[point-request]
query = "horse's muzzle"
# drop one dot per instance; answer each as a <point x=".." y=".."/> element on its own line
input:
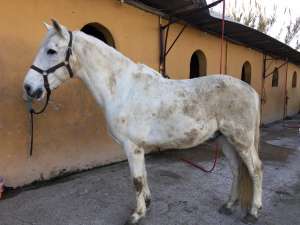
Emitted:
<point x="33" y="93"/>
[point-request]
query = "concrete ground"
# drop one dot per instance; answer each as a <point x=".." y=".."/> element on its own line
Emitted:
<point x="182" y="195"/>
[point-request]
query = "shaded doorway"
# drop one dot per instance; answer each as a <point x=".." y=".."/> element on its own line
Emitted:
<point x="198" y="64"/>
<point x="99" y="31"/>
<point x="246" y="72"/>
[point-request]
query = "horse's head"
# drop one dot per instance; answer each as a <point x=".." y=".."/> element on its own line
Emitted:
<point x="51" y="64"/>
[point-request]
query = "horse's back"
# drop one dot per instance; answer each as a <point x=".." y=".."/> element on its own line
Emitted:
<point x="217" y="89"/>
<point x="227" y="90"/>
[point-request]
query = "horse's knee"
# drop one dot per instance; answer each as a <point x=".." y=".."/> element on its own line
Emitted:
<point x="138" y="184"/>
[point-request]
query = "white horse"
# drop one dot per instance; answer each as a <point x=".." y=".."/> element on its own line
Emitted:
<point x="143" y="110"/>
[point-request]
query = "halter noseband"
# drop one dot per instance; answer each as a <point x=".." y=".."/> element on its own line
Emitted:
<point x="45" y="73"/>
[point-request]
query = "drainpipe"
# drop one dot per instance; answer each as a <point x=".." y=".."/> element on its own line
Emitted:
<point x="286" y="97"/>
<point x="262" y="91"/>
<point x="163" y="37"/>
<point x="162" y="68"/>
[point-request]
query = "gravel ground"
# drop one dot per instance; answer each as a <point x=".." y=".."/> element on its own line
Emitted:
<point x="182" y="195"/>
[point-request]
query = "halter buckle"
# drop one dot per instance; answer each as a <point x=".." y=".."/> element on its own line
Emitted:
<point x="45" y="73"/>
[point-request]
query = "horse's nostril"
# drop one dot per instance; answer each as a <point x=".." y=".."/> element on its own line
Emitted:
<point x="33" y="93"/>
<point x="38" y="93"/>
<point x="27" y="89"/>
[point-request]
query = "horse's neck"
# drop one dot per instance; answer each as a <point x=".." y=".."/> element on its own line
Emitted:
<point x="101" y="68"/>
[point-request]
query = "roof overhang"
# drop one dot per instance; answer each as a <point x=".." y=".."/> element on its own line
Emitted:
<point x="196" y="13"/>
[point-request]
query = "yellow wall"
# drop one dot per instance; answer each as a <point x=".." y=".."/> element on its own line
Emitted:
<point x="293" y="93"/>
<point x="273" y="109"/>
<point x="71" y="135"/>
<point x="178" y="60"/>
<point x="237" y="55"/>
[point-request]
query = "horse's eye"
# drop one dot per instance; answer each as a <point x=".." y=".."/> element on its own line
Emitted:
<point x="51" y="52"/>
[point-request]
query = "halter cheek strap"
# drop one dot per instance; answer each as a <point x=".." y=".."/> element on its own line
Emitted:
<point x="45" y="73"/>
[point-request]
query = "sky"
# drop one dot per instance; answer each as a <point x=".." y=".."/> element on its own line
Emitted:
<point x="282" y="19"/>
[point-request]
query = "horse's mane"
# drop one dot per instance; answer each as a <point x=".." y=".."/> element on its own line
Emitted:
<point x="99" y="44"/>
<point x="109" y="51"/>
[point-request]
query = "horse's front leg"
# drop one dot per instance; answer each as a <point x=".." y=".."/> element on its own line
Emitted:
<point x="136" y="161"/>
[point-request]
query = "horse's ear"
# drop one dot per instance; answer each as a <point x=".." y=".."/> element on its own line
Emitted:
<point x="59" y="29"/>
<point x="48" y="27"/>
<point x="56" y="26"/>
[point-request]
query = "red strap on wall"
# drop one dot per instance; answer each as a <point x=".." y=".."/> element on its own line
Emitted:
<point x="222" y="38"/>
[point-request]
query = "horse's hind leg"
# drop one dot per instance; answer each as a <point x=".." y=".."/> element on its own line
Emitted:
<point x="254" y="166"/>
<point x="233" y="160"/>
<point x="136" y="161"/>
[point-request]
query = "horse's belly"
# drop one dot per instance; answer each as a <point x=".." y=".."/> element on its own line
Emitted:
<point x="178" y="135"/>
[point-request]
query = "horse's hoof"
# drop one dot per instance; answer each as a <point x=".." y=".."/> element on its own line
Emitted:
<point x="249" y="219"/>
<point x="148" y="202"/>
<point x="225" y="210"/>
<point x="131" y="222"/>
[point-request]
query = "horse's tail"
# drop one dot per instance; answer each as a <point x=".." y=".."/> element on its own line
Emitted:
<point x="245" y="180"/>
<point x="245" y="186"/>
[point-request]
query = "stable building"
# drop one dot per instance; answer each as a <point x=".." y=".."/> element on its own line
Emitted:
<point x="180" y="39"/>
